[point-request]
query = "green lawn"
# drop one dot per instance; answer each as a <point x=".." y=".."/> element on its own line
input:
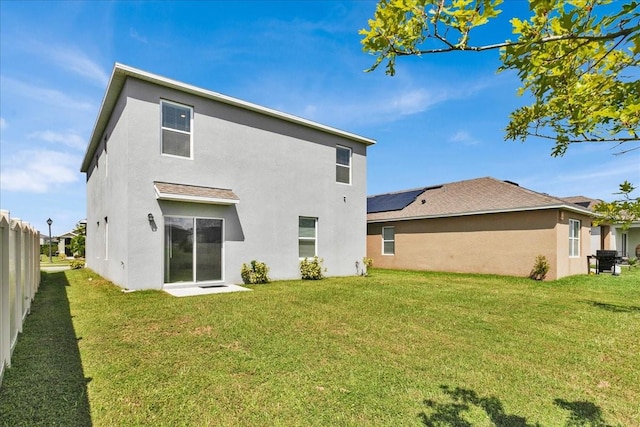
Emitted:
<point x="56" y="261"/>
<point x="392" y="349"/>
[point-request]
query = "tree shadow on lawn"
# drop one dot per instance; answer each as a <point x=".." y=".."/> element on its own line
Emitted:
<point x="614" y="308"/>
<point x="464" y="400"/>
<point x="46" y="384"/>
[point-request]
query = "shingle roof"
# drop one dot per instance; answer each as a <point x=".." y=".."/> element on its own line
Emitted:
<point x="392" y="201"/>
<point x="475" y="196"/>
<point x="583" y="201"/>
<point x="195" y="193"/>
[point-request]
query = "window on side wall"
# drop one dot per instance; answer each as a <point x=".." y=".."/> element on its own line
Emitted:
<point x="307" y="237"/>
<point x="574" y="238"/>
<point x="388" y="240"/>
<point x="343" y="165"/>
<point x="176" y="129"/>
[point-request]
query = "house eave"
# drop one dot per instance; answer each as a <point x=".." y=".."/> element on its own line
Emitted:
<point x="121" y="72"/>
<point x="483" y="212"/>
<point x="195" y="199"/>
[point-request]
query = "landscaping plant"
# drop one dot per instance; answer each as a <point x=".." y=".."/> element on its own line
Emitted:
<point x="540" y="268"/>
<point x="311" y="269"/>
<point x="256" y="272"/>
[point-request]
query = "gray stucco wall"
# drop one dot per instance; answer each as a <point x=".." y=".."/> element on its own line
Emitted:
<point x="279" y="171"/>
<point x="107" y="201"/>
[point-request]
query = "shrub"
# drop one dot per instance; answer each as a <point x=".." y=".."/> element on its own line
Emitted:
<point x="311" y="269"/>
<point x="366" y="265"/>
<point x="540" y="268"/>
<point x="77" y="264"/>
<point x="256" y="272"/>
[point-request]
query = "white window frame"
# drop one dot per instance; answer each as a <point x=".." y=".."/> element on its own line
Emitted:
<point x="338" y="165"/>
<point x="314" y="238"/>
<point x="162" y="128"/>
<point x="574" y="238"/>
<point x="386" y="241"/>
<point x="194" y="253"/>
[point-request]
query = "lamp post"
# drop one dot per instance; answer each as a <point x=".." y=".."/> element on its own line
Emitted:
<point x="49" y="222"/>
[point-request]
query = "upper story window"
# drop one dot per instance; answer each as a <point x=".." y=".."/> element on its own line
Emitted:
<point x="176" y="129"/>
<point x="574" y="238"/>
<point x="343" y="165"/>
<point x="388" y="240"/>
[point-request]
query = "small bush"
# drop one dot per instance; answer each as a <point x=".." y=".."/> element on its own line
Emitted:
<point x="256" y="272"/>
<point x="366" y="265"/>
<point x="77" y="264"/>
<point x="311" y="269"/>
<point x="540" y="268"/>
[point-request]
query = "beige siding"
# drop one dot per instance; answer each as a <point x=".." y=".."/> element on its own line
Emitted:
<point x="504" y="243"/>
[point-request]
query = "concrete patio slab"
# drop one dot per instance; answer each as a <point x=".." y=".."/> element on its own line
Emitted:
<point x="204" y="290"/>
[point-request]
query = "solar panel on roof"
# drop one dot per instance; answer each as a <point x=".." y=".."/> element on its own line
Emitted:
<point x="392" y="202"/>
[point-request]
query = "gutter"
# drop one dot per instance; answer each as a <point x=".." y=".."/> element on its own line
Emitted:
<point x="492" y="211"/>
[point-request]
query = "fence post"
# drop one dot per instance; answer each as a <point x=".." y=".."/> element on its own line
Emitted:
<point x="19" y="280"/>
<point x="5" y="341"/>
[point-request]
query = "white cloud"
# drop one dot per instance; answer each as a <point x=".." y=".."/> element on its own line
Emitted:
<point x="134" y="35"/>
<point x="43" y="95"/>
<point x="75" y="61"/>
<point x="597" y="180"/>
<point x="39" y="171"/>
<point x="69" y="139"/>
<point x="66" y="57"/>
<point x="384" y="103"/>
<point x="412" y="102"/>
<point x="378" y="108"/>
<point x="464" y="138"/>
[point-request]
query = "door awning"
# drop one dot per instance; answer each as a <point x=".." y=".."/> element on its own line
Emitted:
<point x="195" y="194"/>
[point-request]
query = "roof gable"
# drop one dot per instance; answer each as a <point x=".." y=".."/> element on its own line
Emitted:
<point x="120" y="74"/>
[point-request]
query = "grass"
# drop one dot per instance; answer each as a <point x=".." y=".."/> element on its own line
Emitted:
<point x="396" y="348"/>
<point x="56" y="261"/>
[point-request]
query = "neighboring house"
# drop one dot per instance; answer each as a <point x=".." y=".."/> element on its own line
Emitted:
<point x="64" y="243"/>
<point x="184" y="185"/>
<point x="481" y="225"/>
<point x="611" y="236"/>
<point x="626" y="242"/>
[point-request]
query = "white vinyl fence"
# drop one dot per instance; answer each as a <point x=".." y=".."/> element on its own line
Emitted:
<point x="19" y="280"/>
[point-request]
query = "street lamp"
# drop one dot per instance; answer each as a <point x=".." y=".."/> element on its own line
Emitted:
<point x="49" y="222"/>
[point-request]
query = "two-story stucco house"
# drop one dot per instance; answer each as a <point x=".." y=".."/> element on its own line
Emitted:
<point x="184" y="185"/>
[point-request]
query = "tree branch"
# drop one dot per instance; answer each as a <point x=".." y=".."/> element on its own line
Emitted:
<point x="587" y="139"/>
<point x="451" y="47"/>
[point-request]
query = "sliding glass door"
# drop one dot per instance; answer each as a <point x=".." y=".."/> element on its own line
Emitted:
<point x="193" y="250"/>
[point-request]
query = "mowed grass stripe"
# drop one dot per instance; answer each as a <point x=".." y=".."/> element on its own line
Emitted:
<point x="394" y="348"/>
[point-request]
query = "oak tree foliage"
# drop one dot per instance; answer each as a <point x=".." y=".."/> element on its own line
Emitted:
<point x="578" y="60"/>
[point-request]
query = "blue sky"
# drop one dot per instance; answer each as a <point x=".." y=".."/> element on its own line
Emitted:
<point x="440" y="119"/>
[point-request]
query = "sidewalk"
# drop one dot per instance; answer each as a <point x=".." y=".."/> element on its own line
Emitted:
<point x="55" y="268"/>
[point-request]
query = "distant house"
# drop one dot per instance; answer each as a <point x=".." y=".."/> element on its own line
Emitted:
<point x="64" y="241"/>
<point x="611" y="236"/>
<point x="481" y="225"/>
<point x="184" y="185"/>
